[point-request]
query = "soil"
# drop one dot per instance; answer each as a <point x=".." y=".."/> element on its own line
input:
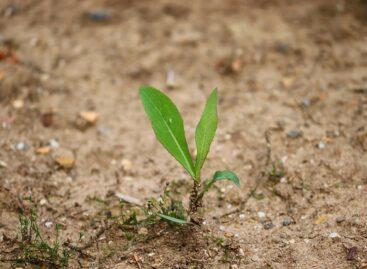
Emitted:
<point x="292" y="80"/>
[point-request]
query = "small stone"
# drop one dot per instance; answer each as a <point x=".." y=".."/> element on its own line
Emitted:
<point x="334" y="235"/>
<point x="228" y="234"/>
<point x="321" y="219"/>
<point x="241" y="252"/>
<point x="48" y="224"/>
<point x="287" y="222"/>
<point x="292" y="241"/>
<point x="143" y="231"/>
<point x="170" y="81"/>
<point x="306" y="102"/>
<point x="98" y="15"/>
<point x="268" y="225"/>
<point x="21" y="146"/>
<point x="340" y="219"/>
<point x="261" y="214"/>
<point x="17" y="104"/>
<point x="234" y="266"/>
<point x="47" y="118"/>
<point x="294" y="133"/>
<point x="64" y="158"/>
<point x="53" y="143"/>
<point x="222" y="228"/>
<point x="151" y="254"/>
<point x="89" y="116"/>
<point x="126" y="164"/>
<point x="321" y="145"/>
<point x="287" y="82"/>
<point x="3" y="164"/>
<point x="282" y="47"/>
<point x="43" y="201"/>
<point x="43" y="150"/>
<point x="241" y="216"/>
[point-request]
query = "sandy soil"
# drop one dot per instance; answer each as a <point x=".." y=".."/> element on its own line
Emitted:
<point x="292" y="79"/>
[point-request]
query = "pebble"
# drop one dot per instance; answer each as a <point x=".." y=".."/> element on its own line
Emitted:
<point x="3" y="164"/>
<point x="294" y="133"/>
<point x="43" y="201"/>
<point x="54" y="144"/>
<point x="261" y="214"/>
<point x="321" y="219"/>
<point x="268" y="225"/>
<point x="321" y="145"/>
<point x="48" y="224"/>
<point x="17" y="104"/>
<point x="89" y="116"/>
<point x="21" y="146"/>
<point x="241" y="216"/>
<point x="241" y="252"/>
<point x="234" y="266"/>
<point x="43" y="150"/>
<point x="287" y="222"/>
<point x="334" y="235"/>
<point x="151" y="254"/>
<point x="98" y="15"/>
<point x="126" y="164"/>
<point x="64" y="158"/>
<point x="170" y="81"/>
<point x="228" y="234"/>
<point x="222" y="228"/>
<point x="306" y="102"/>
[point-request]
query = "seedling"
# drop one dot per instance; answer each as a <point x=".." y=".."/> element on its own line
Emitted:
<point x="168" y="127"/>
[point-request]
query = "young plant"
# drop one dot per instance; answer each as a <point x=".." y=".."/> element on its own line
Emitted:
<point x="168" y="127"/>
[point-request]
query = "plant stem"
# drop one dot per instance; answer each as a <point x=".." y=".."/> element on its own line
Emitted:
<point x="195" y="199"/>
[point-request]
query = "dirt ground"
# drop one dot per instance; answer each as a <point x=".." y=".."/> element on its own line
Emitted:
<point x="292" y="80"/>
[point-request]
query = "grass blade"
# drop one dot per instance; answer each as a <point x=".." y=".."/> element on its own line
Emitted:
<point x="205" y="131"/>
<point x="172" y="219"/>
<point x="168" y="125"/>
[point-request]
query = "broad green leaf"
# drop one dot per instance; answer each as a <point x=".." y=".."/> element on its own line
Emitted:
<point x="175" y="220"/>
<point x="205" y="131"/>
<point x="168" y="125"/>
<point x="229" y="175"/>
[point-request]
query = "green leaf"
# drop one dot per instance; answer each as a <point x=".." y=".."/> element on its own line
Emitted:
<point x="175" y="220"/>
<point x="168" y="125"/>
<point x="205" y="131"/>
<point x="229" y="175"/>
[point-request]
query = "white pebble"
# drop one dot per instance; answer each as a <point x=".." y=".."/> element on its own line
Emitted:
<point x="321" y="145"/>
<point x="43" y="201"/>
<point x="222" y="228"/>
<point x="53" y="143"/>
<point x="261" y="214"/>
<point x="334" y="235"/>
<point x="241" y="216"/>
<point x="48" y="224"/>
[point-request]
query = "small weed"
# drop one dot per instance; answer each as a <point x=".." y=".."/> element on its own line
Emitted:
<point x="35" y="249"/>
<point x="276" y="173"/>
<point x="168" y="127"/>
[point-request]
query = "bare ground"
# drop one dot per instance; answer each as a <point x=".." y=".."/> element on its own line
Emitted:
<point x="292" y="79"/>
